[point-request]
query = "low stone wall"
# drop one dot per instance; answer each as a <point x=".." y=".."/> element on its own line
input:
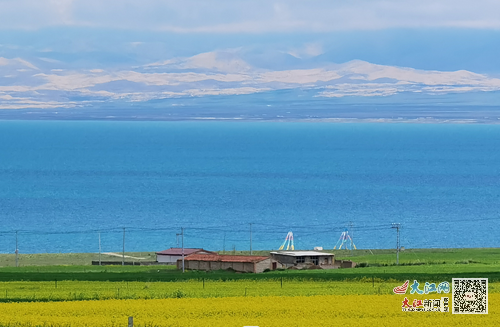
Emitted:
<point x="344" y="264"/>
<point x="126" y="263"/>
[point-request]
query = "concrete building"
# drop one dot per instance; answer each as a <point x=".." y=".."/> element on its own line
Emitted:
<point x="241" y="263"/>
<point x="171" y="255"/>
<point x="344" y="264"/>
<point x="302" y="259"/>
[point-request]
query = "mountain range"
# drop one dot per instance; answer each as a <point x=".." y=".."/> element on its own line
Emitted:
<point x="49" y="84"/>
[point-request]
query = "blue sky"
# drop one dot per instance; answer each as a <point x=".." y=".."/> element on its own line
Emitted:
<point x="64" y="37"/>
<point x="426" y="48"/>
<point x="445" y="35"/>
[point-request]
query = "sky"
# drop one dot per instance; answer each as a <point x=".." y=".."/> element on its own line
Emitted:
<point x="139" y="46"/>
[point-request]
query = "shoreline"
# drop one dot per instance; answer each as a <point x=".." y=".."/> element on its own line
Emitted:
<point x="420" y="120"/>
<point x="244" y="252"/>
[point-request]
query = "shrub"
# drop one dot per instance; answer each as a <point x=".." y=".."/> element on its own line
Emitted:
<point x="178" y="294"/>
<point x="362" y="265"/>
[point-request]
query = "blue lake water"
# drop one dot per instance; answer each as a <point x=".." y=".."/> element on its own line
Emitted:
<point x="62" y="182"/>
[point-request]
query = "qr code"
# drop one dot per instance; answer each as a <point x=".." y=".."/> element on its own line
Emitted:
<point x="470" y="295"/>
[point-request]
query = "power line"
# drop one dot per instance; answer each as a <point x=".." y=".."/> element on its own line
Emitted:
<point x="250" y="238"/>
<point x="397" y="226"/>
<point x="123" y="252"/>
<point x="319" y="228"/>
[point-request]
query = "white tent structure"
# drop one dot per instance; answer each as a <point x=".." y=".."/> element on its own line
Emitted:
<point x="288" y="242"/>
<point x="345" y="241"/>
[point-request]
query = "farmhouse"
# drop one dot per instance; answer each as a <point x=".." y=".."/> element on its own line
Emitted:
<point x="171" y="255"/>
<point x="241" y="263"/>
<point x="304" y="259"/>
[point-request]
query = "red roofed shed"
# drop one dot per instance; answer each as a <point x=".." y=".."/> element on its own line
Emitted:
<point x="242" y="263"/>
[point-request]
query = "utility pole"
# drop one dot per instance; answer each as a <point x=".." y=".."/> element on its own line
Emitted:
<point x="397" y="226"/>
<point x="352" y="242"/>
<point x="181" y="234"/>
<point x="224" y="244"/>
<point x="17" y="252"/>
<point x="251" y="239"/>
<point x="100" y="248"/>
<point x="123" y="249"/>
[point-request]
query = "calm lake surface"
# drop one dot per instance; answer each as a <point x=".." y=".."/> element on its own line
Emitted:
<point x="61" y="182"/>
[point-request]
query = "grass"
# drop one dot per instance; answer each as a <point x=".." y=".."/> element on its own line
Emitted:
<point x="80" y="259"/>
<point x="423" y="256"/>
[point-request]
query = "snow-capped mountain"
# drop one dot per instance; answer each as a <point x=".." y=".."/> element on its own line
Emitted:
<point x="25" y="84"/>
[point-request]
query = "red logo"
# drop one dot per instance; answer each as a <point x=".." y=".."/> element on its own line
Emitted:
<point x="401" y="289"/>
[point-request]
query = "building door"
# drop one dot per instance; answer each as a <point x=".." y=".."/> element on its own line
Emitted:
<point x="275" y="265"/>
<point x="315" y="260"/>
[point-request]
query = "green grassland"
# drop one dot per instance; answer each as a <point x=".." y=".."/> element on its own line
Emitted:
<point x="59" y="259"/>
<point x="423" y="256"/>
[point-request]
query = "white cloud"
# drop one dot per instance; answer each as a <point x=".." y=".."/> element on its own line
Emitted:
<point x="258" y="16"/>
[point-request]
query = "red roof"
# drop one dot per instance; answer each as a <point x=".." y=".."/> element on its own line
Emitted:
<point x="225" y="258"/>
<point x="178" y="251"/>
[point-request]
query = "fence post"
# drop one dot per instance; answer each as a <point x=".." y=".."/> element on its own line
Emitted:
<point x="130" y="321"/>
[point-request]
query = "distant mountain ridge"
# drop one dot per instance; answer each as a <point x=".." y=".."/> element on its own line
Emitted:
<point x="45" y="84"/>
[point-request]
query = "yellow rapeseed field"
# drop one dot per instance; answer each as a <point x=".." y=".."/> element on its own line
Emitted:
<point x="324" y="310"/>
